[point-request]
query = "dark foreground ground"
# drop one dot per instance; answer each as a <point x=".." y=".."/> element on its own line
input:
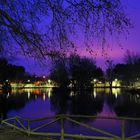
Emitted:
<point x="10" y="134"/>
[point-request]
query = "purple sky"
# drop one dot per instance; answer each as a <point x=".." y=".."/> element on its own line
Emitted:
<point x="116" y="53"/>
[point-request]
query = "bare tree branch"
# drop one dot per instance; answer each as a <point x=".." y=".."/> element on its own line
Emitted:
<point x="21" y="22"/>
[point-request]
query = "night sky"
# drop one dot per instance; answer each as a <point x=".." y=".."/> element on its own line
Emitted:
<point x="115" y="51"/>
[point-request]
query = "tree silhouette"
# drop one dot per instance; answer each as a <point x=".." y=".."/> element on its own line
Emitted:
<point x="21" y="24"/>
<point x="80" y="71"/>
<point x="128" y="72"/>
<point x="11" y="72"/>
<point x="59" y="72"/>
<point x="109" y="71"/>
<point x="3" y="66"/>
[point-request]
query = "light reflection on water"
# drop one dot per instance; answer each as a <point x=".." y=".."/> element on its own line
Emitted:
<point x="36" y="103"/>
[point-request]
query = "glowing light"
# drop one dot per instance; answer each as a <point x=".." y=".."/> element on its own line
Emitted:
<point x="95" y="80"/>
<point x="44" y="97"/>
<point x="8" y="95"/>
<point x="29" y="94"/>
<point x="29" y="85"/>
<point x="94" y="93"/>
<point x="137" y="95"/>
<point x="116" y="83"/>
<point x="72" y="93"/>
<point x="116" y="95"/>
<point x="49" y="81"/>
<point x="49" y="92"/>
<point x="116" y="91"/>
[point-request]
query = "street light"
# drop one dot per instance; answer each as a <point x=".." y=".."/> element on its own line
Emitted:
<point x="116" y="79"/>
<point x="94" y="80"/>
<point x="49" y="81"/>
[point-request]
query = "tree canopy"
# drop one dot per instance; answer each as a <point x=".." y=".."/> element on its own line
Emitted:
<point x="128" y="72"/>
<point x="75" y="71"/>
<point x="40" y="28"/>
<point x="12" y="72"/>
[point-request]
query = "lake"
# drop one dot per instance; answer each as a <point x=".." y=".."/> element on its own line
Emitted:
<point x="38" y="103"/>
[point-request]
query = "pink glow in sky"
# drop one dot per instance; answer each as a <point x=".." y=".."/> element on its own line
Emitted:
<point x="131" y="43"/>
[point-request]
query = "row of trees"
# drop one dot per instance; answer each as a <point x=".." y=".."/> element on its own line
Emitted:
<point x="128" y="72"/>
<point x="75" y="70"/>
<point x="11" y="72"/>
<point x="81" y="71"/>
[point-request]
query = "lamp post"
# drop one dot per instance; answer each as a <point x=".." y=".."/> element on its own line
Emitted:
<point x="94" y="82"/>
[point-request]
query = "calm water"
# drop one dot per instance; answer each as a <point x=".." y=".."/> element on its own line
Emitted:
<point x="37" y="103"/>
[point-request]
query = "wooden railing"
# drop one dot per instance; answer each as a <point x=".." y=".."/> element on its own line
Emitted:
<point x="25" y="125"/>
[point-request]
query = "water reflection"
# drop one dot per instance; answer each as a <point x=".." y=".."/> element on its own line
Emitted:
<point x="50" y="102"/>
<point x="17" y="99"/>
<point x="70" y="102"/>
<point x="3" y="106"/>
<point x="127" y="105"/>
